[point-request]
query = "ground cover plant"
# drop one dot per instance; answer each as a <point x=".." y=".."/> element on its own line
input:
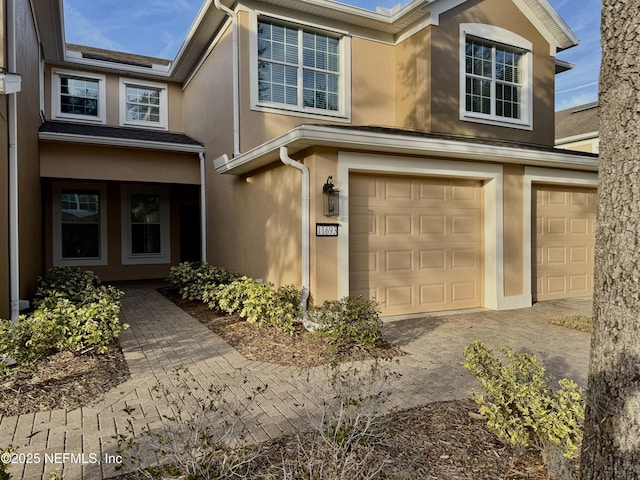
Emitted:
<point x="582" y="323"/>
<point x="522" y="408"/>
<point x="65" y="347"/>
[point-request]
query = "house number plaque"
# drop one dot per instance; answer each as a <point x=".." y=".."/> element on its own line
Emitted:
<point x="326" y="229"/>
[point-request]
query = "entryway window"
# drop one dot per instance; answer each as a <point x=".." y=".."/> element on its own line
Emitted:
<point x="78" y="96"/>
<point x="145" y="229"/>
<point x="143" y="104"/>
<point x="79" y="224"/>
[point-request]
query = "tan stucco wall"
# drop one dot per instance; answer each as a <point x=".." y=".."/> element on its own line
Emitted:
<point x="372" y="92"/>
<point x="445" y="79"/>
<point x="413" y="69"/>
<point x="28" y="105"/>
<point x="513" y="195"/>
<point x="60" y="160"/>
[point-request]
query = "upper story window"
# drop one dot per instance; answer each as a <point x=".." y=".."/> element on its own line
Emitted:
<point x="496" y="76"/>
<point x="300" y="69"/>
<point x="78" y="96"/>
<point x="143" y="104"/>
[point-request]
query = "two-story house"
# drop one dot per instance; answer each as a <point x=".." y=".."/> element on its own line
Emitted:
<point x="435" y="122"/>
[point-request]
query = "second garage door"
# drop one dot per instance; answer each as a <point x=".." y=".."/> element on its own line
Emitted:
<point x="563" y="243"/>
<point x="415" y="244"/>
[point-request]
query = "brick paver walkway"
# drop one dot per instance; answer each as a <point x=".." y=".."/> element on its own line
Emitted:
<point x="163" y="337"/>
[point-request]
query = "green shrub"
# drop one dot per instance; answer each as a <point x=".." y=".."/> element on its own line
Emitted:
<point x="520" y="406"/>
<point x="257" y="302"/>
<point x="72" y="283"/>
<point x="350" y="320"/>
<point x="193" y="279"/>
<point x="4" y="475"/>
<point x="73" y="311"/>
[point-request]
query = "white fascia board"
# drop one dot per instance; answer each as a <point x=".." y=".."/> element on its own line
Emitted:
<point x="577" y="138"/>
<point x="308" y="135"/>
<point x="119" y="142"/>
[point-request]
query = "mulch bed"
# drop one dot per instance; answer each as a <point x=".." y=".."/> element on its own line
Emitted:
<point x="63" y="380"/>
<point x="268" y="344"/>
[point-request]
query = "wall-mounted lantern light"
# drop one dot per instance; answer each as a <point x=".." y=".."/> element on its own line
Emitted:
<point x="9" y="83"/>
<point x="331" y="200"/>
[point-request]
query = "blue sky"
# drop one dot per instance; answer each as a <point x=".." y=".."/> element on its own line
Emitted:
<point x="158" y="27"/>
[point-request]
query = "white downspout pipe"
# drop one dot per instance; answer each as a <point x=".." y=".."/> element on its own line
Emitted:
<point x="203" y="209"/>
<point x="14" y="235"/>
<point x="284" y="158"/>
<point x="236" y="96"/>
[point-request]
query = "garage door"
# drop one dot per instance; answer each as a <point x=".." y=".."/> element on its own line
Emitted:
<point x="415" y="244"/>
<point x="563" y="243"/>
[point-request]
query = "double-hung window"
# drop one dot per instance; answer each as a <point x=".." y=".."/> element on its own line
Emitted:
<point x="78" y="96"/>
<point x="79" y="224"/>
<point x="495" y="76"/>
<point x="299" y="69"/>
<point x="143" y="104"/>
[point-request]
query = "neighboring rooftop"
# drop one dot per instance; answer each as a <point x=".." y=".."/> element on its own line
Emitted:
<point x="575" y="121"/>
<point x="132" y="59"/>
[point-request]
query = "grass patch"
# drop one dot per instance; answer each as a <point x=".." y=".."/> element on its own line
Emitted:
<point x="577" y="322"/>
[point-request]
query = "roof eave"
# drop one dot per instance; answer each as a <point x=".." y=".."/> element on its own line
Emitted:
<point x="119" y="142"/>
<point x="306" y="136"/>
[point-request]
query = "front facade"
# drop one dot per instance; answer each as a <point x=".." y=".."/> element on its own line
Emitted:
<point x="433" y="121"/>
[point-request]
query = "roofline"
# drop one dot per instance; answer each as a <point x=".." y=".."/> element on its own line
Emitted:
<point x="119" y="142"/>
<point x="306" y="136"/>
<point x="578" y="137"/>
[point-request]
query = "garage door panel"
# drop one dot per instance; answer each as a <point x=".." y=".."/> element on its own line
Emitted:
<point x="428" y="250"/>
<point x="563" y="242"/>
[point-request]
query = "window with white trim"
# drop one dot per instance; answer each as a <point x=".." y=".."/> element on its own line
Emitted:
<point x="300" y="69"/>
<point x="143" y="104"/>
<point x="79" y="224"/>
<point x="495" y="76"/>
<point x="78" y="96"/>
<point x="145" y="225"/>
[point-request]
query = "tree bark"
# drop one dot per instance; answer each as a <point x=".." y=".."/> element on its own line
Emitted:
<point x="611" y="446"/>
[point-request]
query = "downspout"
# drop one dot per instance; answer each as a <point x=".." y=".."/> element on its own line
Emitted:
<point x="203" y="210"/>
<point x="284" y="158"/>
<point x="14" y="236"/>
<point x="236" y="97"/>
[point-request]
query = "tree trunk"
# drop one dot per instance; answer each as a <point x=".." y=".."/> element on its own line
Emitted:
<point x="611" y="446"/>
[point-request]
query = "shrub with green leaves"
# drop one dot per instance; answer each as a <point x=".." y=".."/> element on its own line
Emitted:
<point x="73" y="311"/>
<point x="520" y="405"/>
<point x="352" y="319"/>
<point x="193" y="279"/>
<point x="257" y="302"/>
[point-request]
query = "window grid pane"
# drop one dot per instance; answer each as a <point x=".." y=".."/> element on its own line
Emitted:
<point x="80" y="218"/>
<point x="493" y="78"/>
<point x="282" y="67"/>
<point x="143" y="104"/>
<point x="145" y="224"/>
<point x="79" y="96"/>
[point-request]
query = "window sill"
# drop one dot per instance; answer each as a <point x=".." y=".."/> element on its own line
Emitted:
<point x="498" y="122"/>
<point x="295" y="112"/>
<point x="85" y="262"/>
<point x="78" y="118"/>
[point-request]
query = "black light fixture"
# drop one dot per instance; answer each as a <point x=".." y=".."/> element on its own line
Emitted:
<point x="331" y="200"/>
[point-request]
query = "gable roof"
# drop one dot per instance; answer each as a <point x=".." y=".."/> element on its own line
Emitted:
<point x="577" y="121"/>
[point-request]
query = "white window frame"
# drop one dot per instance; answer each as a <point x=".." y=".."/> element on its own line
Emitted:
<point x="343" y="114"/>
<point x="498" y="37"/>
<point x="129" y="258"/>
<point x="161" y="87"/>
<point x="58" y="259"/>
<point x="56" y="85"/>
